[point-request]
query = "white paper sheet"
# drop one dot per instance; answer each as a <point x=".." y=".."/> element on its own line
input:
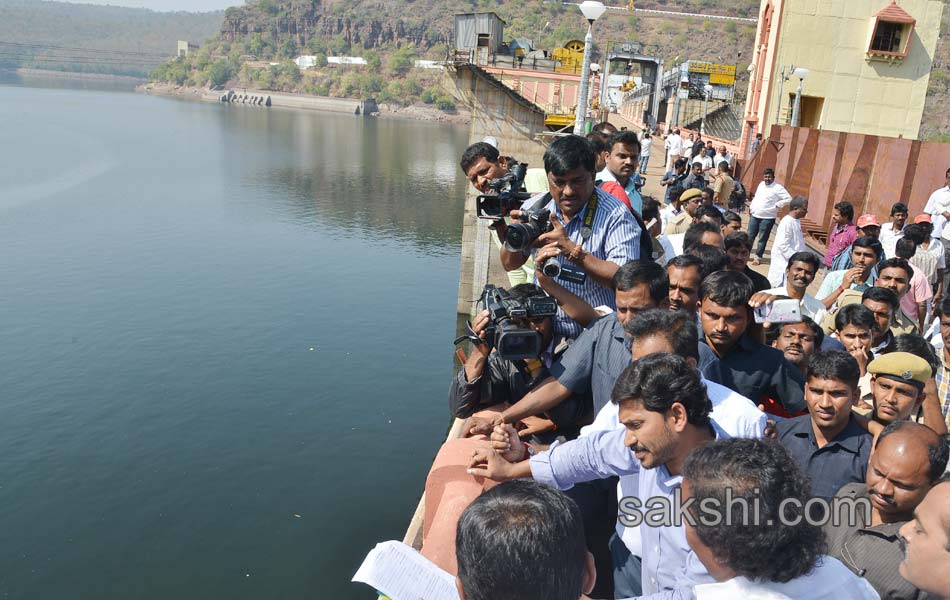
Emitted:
<point x="401" y="573"/>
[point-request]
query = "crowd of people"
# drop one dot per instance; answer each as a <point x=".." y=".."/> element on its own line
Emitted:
<point x="671" y="441"/>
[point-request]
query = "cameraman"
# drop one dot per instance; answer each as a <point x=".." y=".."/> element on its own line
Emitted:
<point x="487" y="379"/>
<point x="592" y="231"/>
<point x="481" y="162"/>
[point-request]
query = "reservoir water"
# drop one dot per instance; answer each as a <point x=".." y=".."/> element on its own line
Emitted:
<point x="225" y="342"/>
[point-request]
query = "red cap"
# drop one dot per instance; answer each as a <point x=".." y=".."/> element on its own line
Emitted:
<point x="924" y="218"/>
<point x="865" y="220"/>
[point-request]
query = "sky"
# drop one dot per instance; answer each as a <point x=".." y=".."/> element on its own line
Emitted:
<point x="168" y="5"/>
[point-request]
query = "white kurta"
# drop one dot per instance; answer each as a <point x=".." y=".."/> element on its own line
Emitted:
<point x="789" y="239"/>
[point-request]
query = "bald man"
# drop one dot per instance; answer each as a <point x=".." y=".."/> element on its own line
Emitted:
<point x="908" y="459"/>
<point x="926" y="541"/>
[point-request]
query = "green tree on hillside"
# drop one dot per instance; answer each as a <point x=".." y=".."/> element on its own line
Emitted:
<point x="402" y="60"/>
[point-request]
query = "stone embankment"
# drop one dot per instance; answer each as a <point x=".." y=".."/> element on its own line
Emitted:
<point x="264" y="99"/>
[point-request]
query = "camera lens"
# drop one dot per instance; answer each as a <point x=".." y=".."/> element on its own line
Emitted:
<point x="520" y="235"/>
<point x="551" y="269"/>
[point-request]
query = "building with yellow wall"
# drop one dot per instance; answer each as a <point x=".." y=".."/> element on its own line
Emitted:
<point x="868" y="65"/>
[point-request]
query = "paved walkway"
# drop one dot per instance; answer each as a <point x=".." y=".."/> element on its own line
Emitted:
<point x="655" y="172"/>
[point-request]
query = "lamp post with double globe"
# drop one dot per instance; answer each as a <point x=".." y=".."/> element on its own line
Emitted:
<point x="592" y="11"/>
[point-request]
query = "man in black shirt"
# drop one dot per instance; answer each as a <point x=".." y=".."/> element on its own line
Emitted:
<point x="756" y="371"/>
<point x="695" y="178"/>
<point x="739" y="248"/>
<point x="486" y="379"/>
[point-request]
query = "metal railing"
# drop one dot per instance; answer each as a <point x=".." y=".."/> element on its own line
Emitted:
<point x="504" y="61"/>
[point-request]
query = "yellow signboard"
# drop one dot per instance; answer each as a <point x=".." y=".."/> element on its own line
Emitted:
<point x="711" y="68"/>
<point x="717" y="79"/>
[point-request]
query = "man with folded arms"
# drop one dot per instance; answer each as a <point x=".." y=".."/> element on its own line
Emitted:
<point x="749" y="367"/>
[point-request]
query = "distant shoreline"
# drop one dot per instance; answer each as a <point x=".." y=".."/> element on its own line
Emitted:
<point x="306" y="102"/>
<point x="24" y="72"/>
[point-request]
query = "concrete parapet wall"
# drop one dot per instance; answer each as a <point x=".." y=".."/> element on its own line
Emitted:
<point x="499" y="112"/>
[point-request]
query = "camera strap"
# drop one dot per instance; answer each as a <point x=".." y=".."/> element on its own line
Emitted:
<point x="470" y="335"/>
<point x="588" y="227"/>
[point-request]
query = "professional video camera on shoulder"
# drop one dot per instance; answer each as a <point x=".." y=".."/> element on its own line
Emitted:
<point x="503" y="333"/>
<point x="507" y="193"/>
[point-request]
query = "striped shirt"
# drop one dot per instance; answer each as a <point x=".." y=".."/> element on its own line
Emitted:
<point x="943" y="388"/>
<point x="615" y="236"/>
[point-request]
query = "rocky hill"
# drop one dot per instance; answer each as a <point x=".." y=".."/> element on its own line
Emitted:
<point x="391" y="33"/>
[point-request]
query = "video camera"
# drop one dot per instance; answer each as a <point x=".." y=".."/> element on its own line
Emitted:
<point x="507" y="194"/>
<point x="510" y="341"/>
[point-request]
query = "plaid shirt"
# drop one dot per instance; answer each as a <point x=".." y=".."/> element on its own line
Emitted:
<point x="840" y="238"/>
<point x="943" y="388"/>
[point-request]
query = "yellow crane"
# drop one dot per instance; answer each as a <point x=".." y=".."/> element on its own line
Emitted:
<point x="630" y="6"/>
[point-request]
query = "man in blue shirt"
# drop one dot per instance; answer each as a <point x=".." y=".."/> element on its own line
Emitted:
<point x="591" y="230"/>
<point x="827" y="443"/>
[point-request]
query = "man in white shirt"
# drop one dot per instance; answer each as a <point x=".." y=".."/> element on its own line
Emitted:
<point x="920" y="232"/>
<point x="893" y="231"/>
<point x="801" y="271"/>
<point x="748" y="501"/>
<point x="789" y="240"/>
<point x="724" y="155"/>
<point x="674" y="146"/>
<point x="646" y="143"/>
<point x="705" y="160"/>
<point x="687" y="151"/>
<point x="768" y="198"/>
<point x="938" y="206"/>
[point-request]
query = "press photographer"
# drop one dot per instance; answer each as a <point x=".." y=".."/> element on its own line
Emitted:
<point x="516" y="347"/>
<point x="500" y="179"/>
<point x="592" y="232"/>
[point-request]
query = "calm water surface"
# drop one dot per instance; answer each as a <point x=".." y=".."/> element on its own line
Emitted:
<point x="226" y="342"/>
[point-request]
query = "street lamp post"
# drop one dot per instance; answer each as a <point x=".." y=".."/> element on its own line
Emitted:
<point x="537" y="43"/>
<point x="707" y="89"/>
<point x="597" y="85"/>
<point x="801" y="73"/>
<point x="781" y="85"/>
<point x="592" y="11"/>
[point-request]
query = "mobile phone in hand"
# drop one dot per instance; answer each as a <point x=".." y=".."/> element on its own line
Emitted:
<point x="780" y="311"/>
